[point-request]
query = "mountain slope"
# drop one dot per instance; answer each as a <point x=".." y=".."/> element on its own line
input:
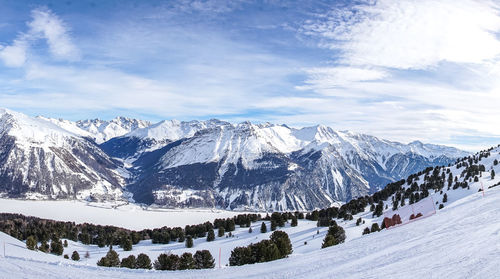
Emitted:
<point x="100" y="130"/>
<point x="273" y="167"/>
<point x="460" y="241"/>
<point x="41" y="160"/>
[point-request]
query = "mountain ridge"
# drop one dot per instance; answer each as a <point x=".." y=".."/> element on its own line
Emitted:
<point x="213" y="163"/>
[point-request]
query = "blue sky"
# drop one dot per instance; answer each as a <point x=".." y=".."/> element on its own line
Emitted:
<point x="402" y="70"/>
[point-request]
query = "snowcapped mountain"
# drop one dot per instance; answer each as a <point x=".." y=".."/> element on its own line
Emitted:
<point x="208" y="163"/>
<point x="268" y="166"/>
<point x="39" y="159"/>
<point x="100" y="130"/>
<point x="155" y="136"/>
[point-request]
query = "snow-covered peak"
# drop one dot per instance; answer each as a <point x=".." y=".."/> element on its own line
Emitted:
<point x="102" y="130"/>
<point x="32" y="131"/>
<point x="172" y="130"/>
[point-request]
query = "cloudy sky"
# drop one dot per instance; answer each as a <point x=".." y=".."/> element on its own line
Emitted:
<point x="401" y="70"/>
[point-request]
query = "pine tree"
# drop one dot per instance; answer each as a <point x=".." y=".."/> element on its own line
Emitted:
<point x="110" y="260"/>
<point x="203" y="259"/>
<point x="366" y="230"/>
<point x="283" y="243"/>
<point x="263" y="228"/>
<point x="56" y="248"/>
<point x="31" y="243"/>
<point x="65" y="243"/>
<point x="492" y="174"/>
<point x="250" y="230"/>
<point x="328" y="241"/>
<point x="294" y="222"/>
<point x="126" y="244"/>
<point x="44" y="247"/>
<point x="167" y="262"/>
<point x="375" y="227"/>
<point x="338" y="233"/>
<point x="128" y="262"/>
<point x="445" y="198"/>
<point x="143" y="262"/>
<point x="221" y="231"/>
<point x="186" y="261"/>
<point x="270" y="252"/>
<point x="189" y="241"/>
<point x="273" y="225"/>
<point x="211" y="235"/>
<point x="75" y="256"/>
<point x="358" y="221"/>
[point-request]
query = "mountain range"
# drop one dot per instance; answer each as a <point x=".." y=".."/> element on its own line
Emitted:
<point x="209" y="163"/>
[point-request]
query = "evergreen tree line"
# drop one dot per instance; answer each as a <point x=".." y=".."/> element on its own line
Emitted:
<point x="200" y="260"/>
<point x="277" y="247"/>
<point x="49" y="232"/>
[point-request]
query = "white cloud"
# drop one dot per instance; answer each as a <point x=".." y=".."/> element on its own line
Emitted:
<point x="47" y="25"/>
<point x="409" y="69"/>
<point x="44" y="25"/>
<point x="15" y="54"/>
<point x="411" y="34"/>
<point x="332" y="77"/>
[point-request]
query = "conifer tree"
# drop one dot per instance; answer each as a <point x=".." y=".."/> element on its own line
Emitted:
<point x="273" y="225"/>
<point x="221" y="231"/>
<point x="167" y="262"/>
<point x="56" y="248"/>
<point x="110" y="260"/>
<point x="283" y="243"/>
<point x="210" y="235"/>
<point x="143" y="262"/>
<point x="375" y="227"/>
<point x="263" y="228"/>
<point x="44" y="247"/>
<point x="31" y="243"/>
<point x="126" y="244"/>
<point x="75" y="256"/>
<point x="203" y="259"/>
<point x="186" y="261"/>
<point x="445" y="198"/>
<point x="189" y="241"/>
<point x="128" y="262"/>
<point x="328" y="241"/>
<point x="294" y="222"/>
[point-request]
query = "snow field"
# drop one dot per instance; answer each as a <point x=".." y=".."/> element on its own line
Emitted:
<point x="460" y="241"/>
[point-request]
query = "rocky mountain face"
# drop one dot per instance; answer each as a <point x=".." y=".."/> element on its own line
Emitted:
<point x="39" y="160"/>
<point x="208" y="163"/>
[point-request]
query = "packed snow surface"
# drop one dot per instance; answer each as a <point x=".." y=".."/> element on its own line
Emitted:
<point x="460" y="241"/>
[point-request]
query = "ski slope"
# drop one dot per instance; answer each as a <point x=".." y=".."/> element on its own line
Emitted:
<point x="460" y="241"/>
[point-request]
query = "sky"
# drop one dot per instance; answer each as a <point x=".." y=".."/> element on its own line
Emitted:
<point x="401" y="70"/>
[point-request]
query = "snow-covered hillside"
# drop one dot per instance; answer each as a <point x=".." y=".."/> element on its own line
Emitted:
<point x="41" y="160"/>
<point x="459" y="241"/>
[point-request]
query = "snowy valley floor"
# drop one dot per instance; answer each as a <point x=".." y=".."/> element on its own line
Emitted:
<point x="460" y="241"/>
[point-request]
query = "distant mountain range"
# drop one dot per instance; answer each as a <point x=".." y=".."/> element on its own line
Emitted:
<point x="201" y="163"/>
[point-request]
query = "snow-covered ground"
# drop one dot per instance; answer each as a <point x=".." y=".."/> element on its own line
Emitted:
<point x="460" y="241"/>
<point x="120" y="214"/>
